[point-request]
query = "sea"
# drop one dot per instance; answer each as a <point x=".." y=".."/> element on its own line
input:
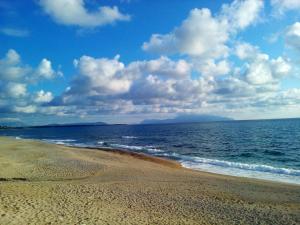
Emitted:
<point x="262" y="149"/>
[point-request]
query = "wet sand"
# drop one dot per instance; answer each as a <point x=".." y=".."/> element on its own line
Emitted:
<point x="49" y="184"/>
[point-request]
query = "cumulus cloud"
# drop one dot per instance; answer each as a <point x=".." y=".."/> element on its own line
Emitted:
<point x="200" y="68"/>
<point x="45" y="69"/>
<point x="259" y="68"/>
<point x="101" y="80"/>
<point x="199" y="35"/>
<point x="281" y="6"/>
<point x="240" y="14"/>
<point x="75" y="12"/>
<point x="164" y="85"/>
<point x="167" y="94"/>
<point x="43" y="97"/>
<point x="12" y="69"/>
<point x="246" y="51"/>
<point x="108" y="86"/>
<point x="162" y="66"/>
<point x="205" y="35"/>
<point x="259" y="71"/>
<point x="100" y="76"/>
<point x="159" y="85"/>
<point x="232" y="87"/>
<point x="263" y="71"/>
<point x="15" y="80"/>
<point x="281" y="67"/>
<point x="211" y="67"/>
<point x="15" y="90"/>
<point x="292" y="36"/>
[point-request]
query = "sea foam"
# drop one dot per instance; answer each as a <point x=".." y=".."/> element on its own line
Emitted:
<point x="241" y="169"/>
<point x="147" y="149"/>
<point x="129" y="137"/>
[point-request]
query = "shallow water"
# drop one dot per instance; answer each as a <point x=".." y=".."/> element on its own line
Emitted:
<point x="266" y="149"/>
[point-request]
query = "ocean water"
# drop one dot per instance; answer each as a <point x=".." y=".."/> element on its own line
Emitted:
<point x="264" y="149"/>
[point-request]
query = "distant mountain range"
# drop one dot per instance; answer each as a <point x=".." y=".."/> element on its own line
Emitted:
<point x="74" y="124"/>
<point x="188" y="119"/>
<point x="178" y="119"/>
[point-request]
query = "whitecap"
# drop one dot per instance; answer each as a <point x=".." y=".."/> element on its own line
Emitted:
<point x="131" y="147"/>
<point x="259" y="171"/>
<point x="59" y="140"/>
<point x="129" y="137"/>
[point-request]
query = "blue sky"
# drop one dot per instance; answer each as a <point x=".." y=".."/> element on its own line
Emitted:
<point x="124" y="61"/>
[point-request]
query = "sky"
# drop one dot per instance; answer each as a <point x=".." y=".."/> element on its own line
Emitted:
<point x="123" y="61"/>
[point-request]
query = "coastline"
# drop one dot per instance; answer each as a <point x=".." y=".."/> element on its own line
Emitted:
<point x="173" y="163"/>
<point x="261" y="172"/>
<point x="44" y="183"/>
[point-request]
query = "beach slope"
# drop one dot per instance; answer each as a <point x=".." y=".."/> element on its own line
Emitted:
<point x="49" y="184"/>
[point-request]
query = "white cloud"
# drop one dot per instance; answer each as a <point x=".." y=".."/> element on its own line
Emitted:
<point x="292" y="36"/>
<point x="193" y="72"/>
<point x="260" y="69"/>
<point x="206" y="38"/>
<point x="74" y="12"/>
<point x="12" y="57"/>
<point x="163" y="85"/>
<point x="43" y="97"/>
<point x="101" y="85"/>
<point x="233" y="87"/>
<point x="45" y="69"/>
<point x="246" y="51"/>
<point x="204" y="35"/>
<point x="16" y="79"/>
<point x="241" y="14"/>
<point x="280" y="67"/>
<point x="15" y="90"/>
<point x="25" y="109"/>
<point x="167" y="93"/>
<point x="211" y="67"/>
<point x="199" y="35"/>
<point x="101" y="80"/>
<point x="15" y="32"/>
<point x="281" y="6"/>
<point x="12" y="69"/>
<point x="162" y="66"/>
<point x="108" y="86"/>
<point x="101" y="76"/>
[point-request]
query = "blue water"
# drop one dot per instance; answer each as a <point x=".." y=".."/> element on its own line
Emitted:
<point x="265" y="149"/>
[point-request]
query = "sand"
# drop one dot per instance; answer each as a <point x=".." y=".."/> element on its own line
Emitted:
<point x="49" y="184"/>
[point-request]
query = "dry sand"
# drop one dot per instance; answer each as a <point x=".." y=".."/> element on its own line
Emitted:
<point x="48" y="184"/>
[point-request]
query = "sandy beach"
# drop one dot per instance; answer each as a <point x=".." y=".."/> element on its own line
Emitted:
<point x="50" y="184"/>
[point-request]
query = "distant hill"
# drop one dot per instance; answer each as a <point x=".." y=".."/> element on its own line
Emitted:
<point x="73" y="124"/>
<point x="188" y="119"/>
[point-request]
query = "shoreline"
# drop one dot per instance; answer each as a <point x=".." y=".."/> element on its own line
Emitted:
<point x="172" y="162"/>
<point x="155" y="159"/>
<point x="44" y="183"/>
